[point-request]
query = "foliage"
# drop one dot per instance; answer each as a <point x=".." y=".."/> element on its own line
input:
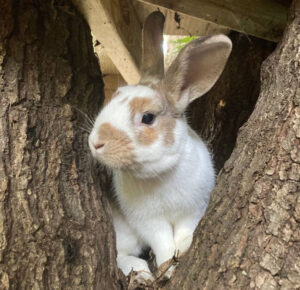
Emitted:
<point x="181" y="42"/>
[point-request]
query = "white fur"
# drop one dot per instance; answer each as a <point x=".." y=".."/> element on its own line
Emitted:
<point x="163" y="196"/>
<point x="162" y="203"/>
<point x="165" y="210"/>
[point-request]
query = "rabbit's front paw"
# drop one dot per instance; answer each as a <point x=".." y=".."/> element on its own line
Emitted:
<point x="141" y="277"/>
<point x="183" y="234"/>
<point x="183" y="242"/>
<point x="166" y="269"/>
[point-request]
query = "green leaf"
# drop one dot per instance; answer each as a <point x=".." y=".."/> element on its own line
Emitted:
<point x="182" y="42"/>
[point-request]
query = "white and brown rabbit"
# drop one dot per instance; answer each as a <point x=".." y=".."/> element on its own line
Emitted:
<point x="162" y="171"/>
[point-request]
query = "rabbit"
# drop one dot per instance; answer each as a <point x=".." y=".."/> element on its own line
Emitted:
<point x="163" y="173"/>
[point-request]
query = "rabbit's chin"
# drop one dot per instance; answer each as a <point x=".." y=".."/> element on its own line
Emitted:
<point x="146" y="174"/>
<point x="142" y="170"/>
<point x="112" y="164"/>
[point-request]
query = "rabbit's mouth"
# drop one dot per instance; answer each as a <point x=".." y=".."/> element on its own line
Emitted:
<point x="111" y="146"/>
<point x="115" y="155"/>
<point x="123" y="159"/>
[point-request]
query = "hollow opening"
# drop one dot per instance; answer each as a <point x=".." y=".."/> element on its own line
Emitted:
<point x="218" y="115"/>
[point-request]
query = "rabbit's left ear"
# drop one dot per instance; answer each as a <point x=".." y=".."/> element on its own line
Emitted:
<point x="195" y="70"/>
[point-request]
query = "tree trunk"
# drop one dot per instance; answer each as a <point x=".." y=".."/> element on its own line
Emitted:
<point x="54" y="227"/>
<point x="250" y="235"/>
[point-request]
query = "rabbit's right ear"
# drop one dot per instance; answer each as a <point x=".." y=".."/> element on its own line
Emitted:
<point x="152" y="66"/>
<point x="195" y="70"/>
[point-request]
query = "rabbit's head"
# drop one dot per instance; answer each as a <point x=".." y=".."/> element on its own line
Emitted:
<point x="143" y="129"/>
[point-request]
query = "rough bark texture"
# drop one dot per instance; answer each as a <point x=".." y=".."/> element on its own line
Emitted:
<point x="250" y="235"/>
<point x="219" y="114"/>
<point x="54" y="227"/>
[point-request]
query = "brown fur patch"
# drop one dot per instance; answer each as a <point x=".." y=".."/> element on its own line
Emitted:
<point x="141" y="105"/>
<point x="166" y="127"/>
<point x="118" y="150"/>
<point x="147" y="136"/>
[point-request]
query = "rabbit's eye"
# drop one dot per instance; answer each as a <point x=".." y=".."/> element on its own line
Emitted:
<point x="148" y="118"/>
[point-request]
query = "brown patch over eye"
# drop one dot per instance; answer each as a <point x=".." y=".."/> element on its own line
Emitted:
<point x="165" y="125"/>
<point x="117" y="150"/>
<point x="140" y="105"/>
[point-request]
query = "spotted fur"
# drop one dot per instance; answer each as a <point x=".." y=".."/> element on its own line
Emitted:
<point x="163" y="173"/>
<point x="118" y="149"/>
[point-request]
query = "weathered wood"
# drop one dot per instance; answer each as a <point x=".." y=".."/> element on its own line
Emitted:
<point x="116" y="26"/>
<point x="188" y="25"/>
<point x="107" y="66"/>
<point x="262" y="18"/>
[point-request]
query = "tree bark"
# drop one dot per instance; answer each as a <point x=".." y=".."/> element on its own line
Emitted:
<point x="250" y="235"/>
<point x="54" y="227"/>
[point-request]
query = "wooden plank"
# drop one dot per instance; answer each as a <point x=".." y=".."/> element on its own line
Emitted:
<point x="188" y="25"/>
<point x="261" y="18"/>
<point x="115" y="25"/>
<point x="107" y="66"/>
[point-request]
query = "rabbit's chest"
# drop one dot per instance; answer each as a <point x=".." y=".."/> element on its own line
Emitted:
<point x="147" y="199"/>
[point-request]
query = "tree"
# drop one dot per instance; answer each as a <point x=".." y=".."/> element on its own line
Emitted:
<point x="250" y="235"/>
<point x="54" y="227"/>
<point x="55" y="230"/>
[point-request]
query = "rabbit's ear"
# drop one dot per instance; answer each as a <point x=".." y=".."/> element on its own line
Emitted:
<point x="152" y="66"/>
<point x="196" y="69"/>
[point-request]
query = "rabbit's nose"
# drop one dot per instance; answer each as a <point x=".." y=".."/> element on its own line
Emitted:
<point x="98" y="146"/>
